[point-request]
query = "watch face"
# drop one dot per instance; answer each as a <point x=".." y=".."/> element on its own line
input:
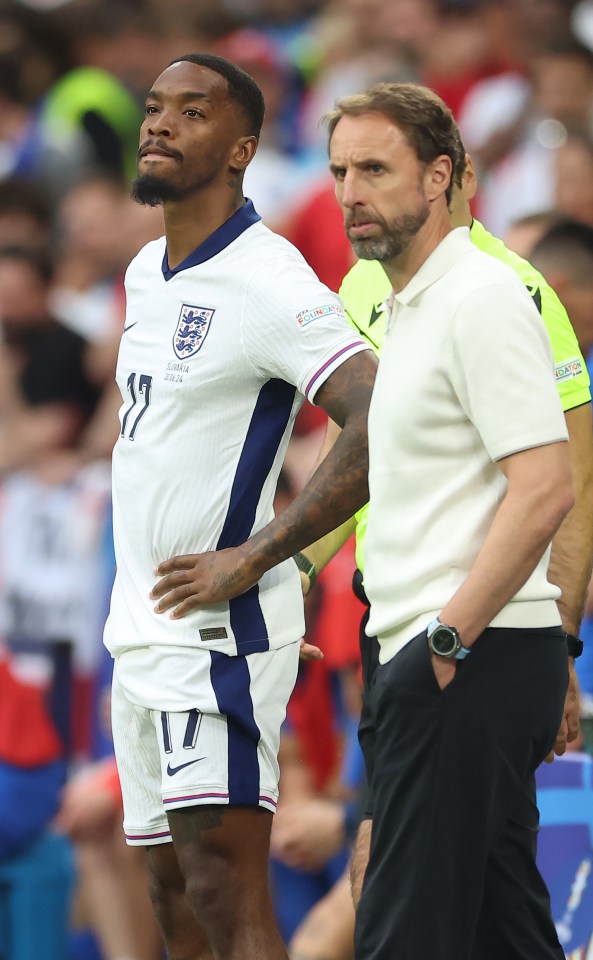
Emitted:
<point x="443" y="642"/>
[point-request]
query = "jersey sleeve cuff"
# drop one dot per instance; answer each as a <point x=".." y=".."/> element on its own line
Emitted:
<point x="327" y="368"/>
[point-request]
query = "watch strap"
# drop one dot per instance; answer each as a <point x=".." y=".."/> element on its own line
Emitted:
<point x="462" y="653"/>
<point x="306" y="566"/>
<point x="574" y="644"/>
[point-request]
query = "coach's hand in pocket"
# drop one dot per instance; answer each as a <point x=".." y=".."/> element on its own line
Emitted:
<point x="444" y="670"/>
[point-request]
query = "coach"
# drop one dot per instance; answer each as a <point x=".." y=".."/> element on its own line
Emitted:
<point x="469" y="480"/>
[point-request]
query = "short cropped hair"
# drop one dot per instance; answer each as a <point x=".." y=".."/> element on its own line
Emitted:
<point x="424" y="119"/>
<point x="243" y="89"/>
<point x="566" y="246"/>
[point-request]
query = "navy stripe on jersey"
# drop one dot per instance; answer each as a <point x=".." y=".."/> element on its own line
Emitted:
<point x="232" y="228"/>
<point x="230" y="680"/>
<point x="264" y="435"/>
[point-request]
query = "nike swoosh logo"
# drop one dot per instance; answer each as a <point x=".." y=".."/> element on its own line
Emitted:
<point x="375" y="314"/>
<point x="130" y="325"/>
<point x="173" y="770"/>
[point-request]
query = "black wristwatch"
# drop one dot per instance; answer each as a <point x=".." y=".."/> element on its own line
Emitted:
<point x="308" y="568"/>
<point x="444" y="641"/>
<point x="575" y="645"/>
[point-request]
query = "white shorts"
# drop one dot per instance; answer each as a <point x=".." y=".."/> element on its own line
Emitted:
<point x="223" y="750"/>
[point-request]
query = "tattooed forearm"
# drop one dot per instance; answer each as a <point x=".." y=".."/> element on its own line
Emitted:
<point x="339" y="486"/>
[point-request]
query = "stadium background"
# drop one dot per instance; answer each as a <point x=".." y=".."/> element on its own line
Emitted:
<point x="519" y="76"/>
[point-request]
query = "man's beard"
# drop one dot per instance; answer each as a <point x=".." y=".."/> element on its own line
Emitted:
<point x="396" y="237"/>
<point x="151" y="191"/>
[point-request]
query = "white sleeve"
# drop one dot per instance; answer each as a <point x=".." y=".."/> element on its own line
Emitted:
<point x="295" y="328"/>
<point x="503" y="371"/>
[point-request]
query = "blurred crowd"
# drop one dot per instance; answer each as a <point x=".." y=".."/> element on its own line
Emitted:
<point x="518" y="75"/>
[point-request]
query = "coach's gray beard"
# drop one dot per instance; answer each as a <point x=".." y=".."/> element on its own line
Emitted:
<point x="396" y="237"/>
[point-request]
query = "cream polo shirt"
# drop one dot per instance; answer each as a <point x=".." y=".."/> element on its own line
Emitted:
<point x="466" y="378"/>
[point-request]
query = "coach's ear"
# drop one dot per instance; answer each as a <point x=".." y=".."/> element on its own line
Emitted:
<point x="437" y="177"/>
<point x="242" y="153"/>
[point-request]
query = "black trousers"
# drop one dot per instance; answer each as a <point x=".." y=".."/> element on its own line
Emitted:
<point x="452" y="872"/>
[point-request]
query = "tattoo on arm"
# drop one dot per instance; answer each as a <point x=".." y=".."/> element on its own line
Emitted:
<point x="339" y="486"/>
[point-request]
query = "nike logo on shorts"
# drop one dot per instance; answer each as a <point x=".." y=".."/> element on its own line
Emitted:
<point x="130" y="325"/>
<point x="173" y="770"/>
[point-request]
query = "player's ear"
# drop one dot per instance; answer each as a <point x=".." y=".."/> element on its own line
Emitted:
<point x="242" y="153"/>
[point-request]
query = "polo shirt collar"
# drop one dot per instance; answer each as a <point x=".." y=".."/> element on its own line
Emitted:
<point x="436" y="265"/>
<point x="224" y="235"/>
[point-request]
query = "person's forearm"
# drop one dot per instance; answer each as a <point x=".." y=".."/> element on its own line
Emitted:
<point x="359" y="859"/>
<point x="572" y="546"/>
<point x="337" y="489"/>
<point x="570" y="563"/>
<point x="339" y="486"/>
<point x="523" y="526"/>
<point x="322" y="551"/>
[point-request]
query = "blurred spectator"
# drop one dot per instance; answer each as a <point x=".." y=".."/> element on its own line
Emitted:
<point x="512" y="127"/>
<point x="574" y="178"/>
<point x="25" y="216"/>
<point x="327" y="931"/>
<point x="36" y="869"/>
<point x="119" y="39"/>
<point x="100" y="229"/>
<point x="320" y="776"/>
<point x="30" y="148"/>
<point x="523" y="233"/>
<point x="98" y="233"/>
<point x="564" y="254"/>
<point x="16" y="121"/>
<point x="354" y="44"/>
<point x="316" y="227"/>
<point x="96" y="120"/>
<point x="32" y="768"/>
<point x="274" y="179"/>
<point x="46" y="397"/>
<point x="97" y="104"/>
<point x="112" y="877"/>
<point x="469" y="45"/>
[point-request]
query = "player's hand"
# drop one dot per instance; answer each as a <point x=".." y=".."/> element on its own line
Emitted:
<point x="307" y="833"/>
<point x="305" y="583"/>
<point x="309" y="651"/>
<point x="191" y="581"/>
<point x="444" y="670"/>
<point x="569" y="727"/>
<point x="89" y="809"/>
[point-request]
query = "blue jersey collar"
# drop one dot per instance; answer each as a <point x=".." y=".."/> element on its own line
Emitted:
<point x="232" y="228"/>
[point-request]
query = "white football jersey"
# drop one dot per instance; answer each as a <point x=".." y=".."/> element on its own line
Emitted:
<point x="215" y="359"/>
